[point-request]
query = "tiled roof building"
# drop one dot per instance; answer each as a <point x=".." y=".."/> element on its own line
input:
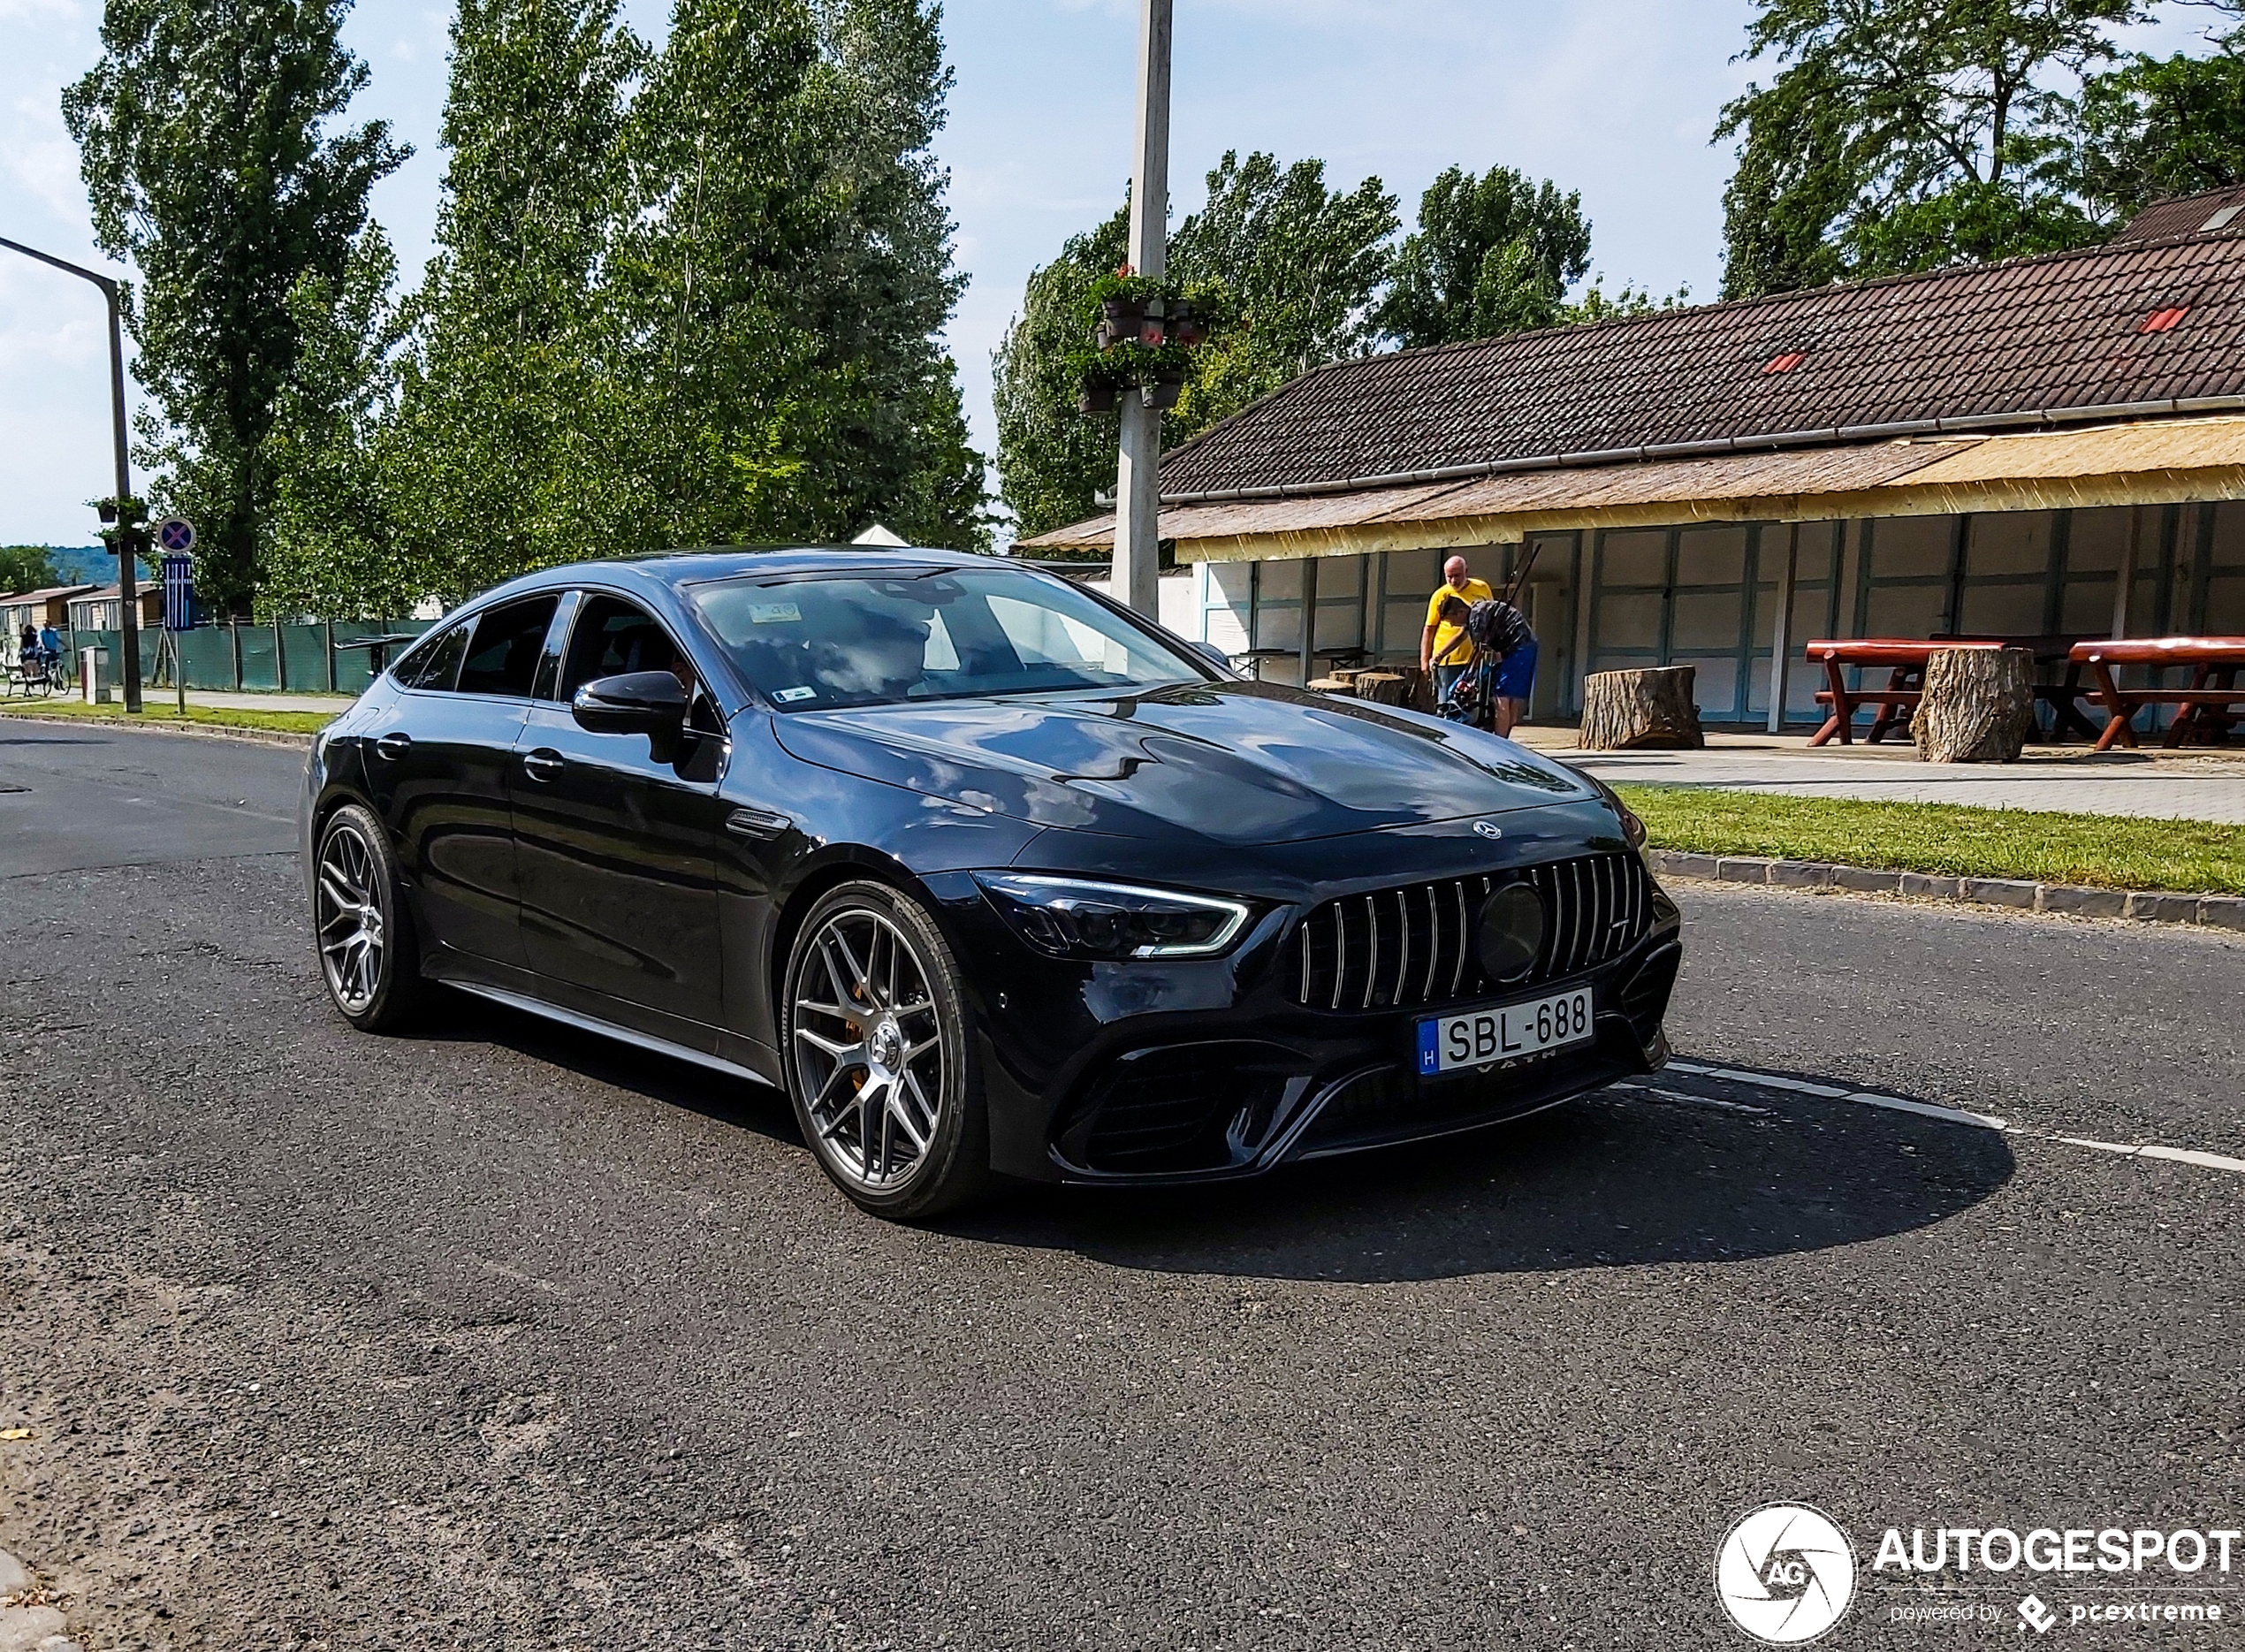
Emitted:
<point x="2106" y="379"/>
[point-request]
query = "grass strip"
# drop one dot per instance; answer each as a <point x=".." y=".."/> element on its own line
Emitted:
<point x="164" y="716"/>
<point x="2196" y="856"/>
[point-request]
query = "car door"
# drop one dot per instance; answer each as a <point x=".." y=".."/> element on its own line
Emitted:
<point x="436" y="770"/>
<point x="614" y="847"/>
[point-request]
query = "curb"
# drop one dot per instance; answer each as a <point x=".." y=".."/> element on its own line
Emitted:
<point x="210" y="731"/>
<point x="2144" y="906"/>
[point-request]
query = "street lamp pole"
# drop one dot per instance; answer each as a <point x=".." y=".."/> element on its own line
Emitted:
<point x="127" y="585"/>
<point x="1138" y="480"/>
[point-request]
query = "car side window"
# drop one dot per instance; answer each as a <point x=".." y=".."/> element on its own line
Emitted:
<point x="435" y="664"/>
<point x="612" y="637"/>
<point x="504" y="656"/>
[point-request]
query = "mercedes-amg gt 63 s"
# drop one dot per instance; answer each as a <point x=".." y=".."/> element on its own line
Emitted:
<point x="994" y="878"/>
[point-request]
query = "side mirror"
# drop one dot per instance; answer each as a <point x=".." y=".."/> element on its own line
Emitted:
<point x="649" y="702"/>
<point x="1215" y="656"/>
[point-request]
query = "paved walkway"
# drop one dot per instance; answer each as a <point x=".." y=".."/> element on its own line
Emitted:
<point x="162" y="699"/>
<point x="2179" y="786"/>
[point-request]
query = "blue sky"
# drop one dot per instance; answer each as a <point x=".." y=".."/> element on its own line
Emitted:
<point x="1612" y="97"/>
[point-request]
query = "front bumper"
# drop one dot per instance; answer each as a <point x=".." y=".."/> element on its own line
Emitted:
<point x="1205" y="1071"/>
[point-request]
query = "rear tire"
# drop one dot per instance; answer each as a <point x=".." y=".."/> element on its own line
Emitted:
<point x="363" y="927"/>
<point x="879" y="1052"/>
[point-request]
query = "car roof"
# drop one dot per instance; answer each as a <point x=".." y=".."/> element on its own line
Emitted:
<point x="676" y="569"/>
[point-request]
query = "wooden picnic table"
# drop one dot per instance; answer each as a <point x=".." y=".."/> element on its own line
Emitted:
<point x="2211" y="704"/>
<point x="1905" y="658"/>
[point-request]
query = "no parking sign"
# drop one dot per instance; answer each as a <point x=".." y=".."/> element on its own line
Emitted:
<point x="175" y="535"/>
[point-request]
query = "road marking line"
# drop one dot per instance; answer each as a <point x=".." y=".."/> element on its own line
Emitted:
<point x="1927" y="1109"/>
<point x="1954" y="1115"/>
<point x="2191" y="1155"/>
<point x="2120" y="1147"/>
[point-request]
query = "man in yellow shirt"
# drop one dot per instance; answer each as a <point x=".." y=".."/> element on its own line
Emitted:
<point x="1440" y="632"/>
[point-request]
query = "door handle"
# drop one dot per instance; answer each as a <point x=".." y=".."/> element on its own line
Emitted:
<point x="391" y="747"/>
<point x="542" y="764"/>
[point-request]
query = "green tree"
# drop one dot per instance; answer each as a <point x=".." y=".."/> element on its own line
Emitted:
<point x="1052" y="461"/>
<point x="26" y="568"/>
<point x="783" y="271"/>
<point x="1906" y="135"/>
<point x="337" y="549"/>
<point x="1297" y="266"/>
<point x="1301" y="265"/>
<point x="205" y="142"/>
<point x="2164" y="127"/>
<point x="1491" y="255"/>
<point x="510" y="403"/>
<point x="883" y="285"/>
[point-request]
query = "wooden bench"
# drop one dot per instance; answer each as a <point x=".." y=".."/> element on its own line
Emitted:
<point x="2212" y="702"/>
<point x="1905" y="660"/>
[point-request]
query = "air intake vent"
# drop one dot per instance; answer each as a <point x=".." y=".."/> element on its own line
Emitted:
<point x="1416" y="945"/>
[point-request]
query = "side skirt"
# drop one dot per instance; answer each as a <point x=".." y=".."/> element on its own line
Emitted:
<point x="609" y="1030"/>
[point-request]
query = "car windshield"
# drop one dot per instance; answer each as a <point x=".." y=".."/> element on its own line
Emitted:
<point x="808" y="641"/>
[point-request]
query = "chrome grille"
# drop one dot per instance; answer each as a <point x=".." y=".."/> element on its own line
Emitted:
<point x="1414" y="945"/>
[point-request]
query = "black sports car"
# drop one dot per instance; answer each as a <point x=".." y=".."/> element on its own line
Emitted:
<point x="991" y="876"/>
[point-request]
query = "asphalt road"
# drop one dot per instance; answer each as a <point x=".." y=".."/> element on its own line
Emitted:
<point x="505" y="1337"/>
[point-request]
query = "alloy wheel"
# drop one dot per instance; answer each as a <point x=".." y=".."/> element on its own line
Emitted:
<point x="349" y="913"/>
<point x="868" y="1050"/>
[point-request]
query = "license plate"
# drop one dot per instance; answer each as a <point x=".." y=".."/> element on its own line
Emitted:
<point x="1480" y="1038"/>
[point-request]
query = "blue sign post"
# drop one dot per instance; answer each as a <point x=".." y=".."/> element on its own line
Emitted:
<point x="178" y="594"/>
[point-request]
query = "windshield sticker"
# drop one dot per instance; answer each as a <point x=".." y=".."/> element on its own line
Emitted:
<point x="788" y="695"/>
<point x="775" y="613"/>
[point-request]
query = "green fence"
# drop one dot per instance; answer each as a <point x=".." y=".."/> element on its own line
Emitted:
<point x="295" y="658"/>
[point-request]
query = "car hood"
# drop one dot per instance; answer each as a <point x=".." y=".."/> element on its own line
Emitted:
<point x="1233" y="762"/>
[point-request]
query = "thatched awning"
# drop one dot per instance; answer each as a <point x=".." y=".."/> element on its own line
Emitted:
<point x="2148" y="463"/>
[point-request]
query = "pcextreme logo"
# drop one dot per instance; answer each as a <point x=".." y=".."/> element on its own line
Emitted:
<point x="1785" y="1573"/>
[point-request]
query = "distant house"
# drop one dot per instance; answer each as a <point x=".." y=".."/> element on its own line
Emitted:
<point x="103" y="608"/>
<point x="2050" y="445"/>
<point x="50" y="606"/>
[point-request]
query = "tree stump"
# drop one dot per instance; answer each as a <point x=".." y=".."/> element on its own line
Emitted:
<point x="1639" y="711"/>
<point x="1384" y="688"/>
<point x="1978" y="705"/>
<point x="1331" y="685"/>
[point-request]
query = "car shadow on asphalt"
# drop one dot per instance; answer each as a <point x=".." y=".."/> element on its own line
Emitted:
<point x="1621" y="1178"/>
<point x="717" y="1096"/>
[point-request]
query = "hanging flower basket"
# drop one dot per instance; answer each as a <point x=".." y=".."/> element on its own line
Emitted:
<point x="1098" y="399"/>
<point x="1163" y="392"/>
<point x="1186" y="326"/>
<point x="1120" y="321"/>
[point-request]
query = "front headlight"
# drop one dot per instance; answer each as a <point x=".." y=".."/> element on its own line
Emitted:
<point x="1072" y="917"/>
<point x="1632" y="827"/>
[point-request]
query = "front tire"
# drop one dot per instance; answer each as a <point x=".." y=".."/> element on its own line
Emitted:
<point x="880" y="1058"/>
<point x="362" y="926"/>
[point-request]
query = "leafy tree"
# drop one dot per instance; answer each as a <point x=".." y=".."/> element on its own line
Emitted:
<point x="337" y="550"/>
<point x="1296" y="265"/>
<point x="26" y="568"/>
<point x="205" y="142"/>
<point x="1052" y="461"/>
<point x="1302" y="265"/>
<point x="1491" y="255"/>
<point x="883" y="285"/>
<point x="2164" y="127"/>
<point x="508" y="407"/>
<point x="1904" y="135"/>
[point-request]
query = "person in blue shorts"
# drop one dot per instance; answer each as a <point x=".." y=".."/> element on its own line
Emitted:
<point x="1505" y="653"/>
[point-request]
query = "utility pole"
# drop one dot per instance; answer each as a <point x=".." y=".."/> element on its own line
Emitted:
<point x="128" y="529"/>
<point x="1138" y="477"/>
